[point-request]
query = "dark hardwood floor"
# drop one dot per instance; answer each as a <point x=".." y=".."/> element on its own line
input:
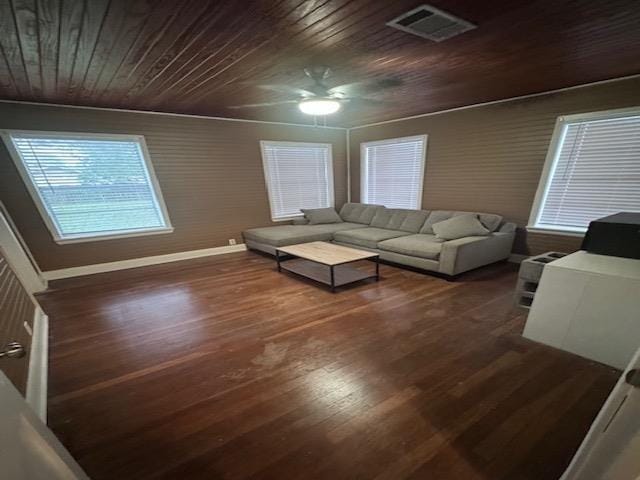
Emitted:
<point x="223" y="368"/>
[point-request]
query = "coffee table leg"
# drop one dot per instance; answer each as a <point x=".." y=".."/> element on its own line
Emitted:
<point x="378" y="268"/>
<point x="333" y="281"/>
<point x="278" y="259"/>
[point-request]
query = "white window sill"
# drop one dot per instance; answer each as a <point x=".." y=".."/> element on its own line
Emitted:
<point x="555" y="231"/>
<point x="112" y="236"/>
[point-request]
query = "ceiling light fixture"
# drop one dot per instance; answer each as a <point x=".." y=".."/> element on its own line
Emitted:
<point x="319" y="106"/>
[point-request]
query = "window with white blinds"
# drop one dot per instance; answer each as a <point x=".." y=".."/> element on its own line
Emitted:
<point x="298" y="175"/>
<point x="593" y="171"/>
<point x="90" y="186"/>
<point x="392" y="172"/>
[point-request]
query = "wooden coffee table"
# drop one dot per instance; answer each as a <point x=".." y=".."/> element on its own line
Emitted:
<point x="326" y="263"/>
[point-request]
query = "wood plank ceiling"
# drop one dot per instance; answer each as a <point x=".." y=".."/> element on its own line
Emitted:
<point x="200" y="57"/>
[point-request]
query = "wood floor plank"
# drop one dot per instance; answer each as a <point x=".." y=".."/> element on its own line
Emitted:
<point x="223" y="368"/>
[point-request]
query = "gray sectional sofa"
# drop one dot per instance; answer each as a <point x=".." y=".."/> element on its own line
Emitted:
<point x="405" y="237"/>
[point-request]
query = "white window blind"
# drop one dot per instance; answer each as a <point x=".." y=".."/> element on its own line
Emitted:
<point x="90" y="186"/>
<point x="595" y="173"/>
<point x="392" y="172"/>
<point x="298" y="175"/>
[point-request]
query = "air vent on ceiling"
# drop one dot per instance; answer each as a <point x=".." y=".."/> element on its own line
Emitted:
<point x="429" y="22"/>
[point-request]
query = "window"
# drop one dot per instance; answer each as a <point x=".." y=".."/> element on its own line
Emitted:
<point x="392" y="172"/>
<point x="90" y="186"/>
<point x="592" y="170"/>
<point x="298" y="175"/>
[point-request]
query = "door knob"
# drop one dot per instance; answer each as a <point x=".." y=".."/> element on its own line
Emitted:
<point x="13" y="350"/>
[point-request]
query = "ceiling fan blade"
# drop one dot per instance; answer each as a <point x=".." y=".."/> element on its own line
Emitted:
<point x="266" y="104"/>
<point x="355" y="88"/>
<point x="366" y="102"/>
<point x="300" y="92"/>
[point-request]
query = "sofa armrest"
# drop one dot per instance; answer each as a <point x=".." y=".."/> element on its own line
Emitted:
<point x="467" y="253"/>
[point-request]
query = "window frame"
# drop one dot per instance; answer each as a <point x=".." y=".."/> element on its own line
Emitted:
<point x="551" y="161"/>
<point x="388" y="141"/>
<point x="265" y="168"/>
<point x="47" y="217"/>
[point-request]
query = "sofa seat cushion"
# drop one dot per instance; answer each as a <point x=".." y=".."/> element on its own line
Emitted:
<point x="282" y="235"/>
<point x="367" y="237"/>
<point x="420" y="245"/>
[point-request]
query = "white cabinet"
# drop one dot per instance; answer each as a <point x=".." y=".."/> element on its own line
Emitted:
<point x="589" y="305"/>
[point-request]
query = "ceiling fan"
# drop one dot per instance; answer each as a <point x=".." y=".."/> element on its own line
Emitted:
<point x="319" y="99"/>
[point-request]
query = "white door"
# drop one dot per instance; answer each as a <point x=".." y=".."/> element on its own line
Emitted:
<point x="611" y="449"/>
<point x="28" y="449"/>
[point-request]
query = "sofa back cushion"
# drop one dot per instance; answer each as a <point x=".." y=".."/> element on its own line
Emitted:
<point x="414" y="220"/>
<point x="359" y="212"/>
<point x="400" y="219"/>
<point x="382" y="218"/>
<point x="319" y="216"/>
<point x="491" y="221"/>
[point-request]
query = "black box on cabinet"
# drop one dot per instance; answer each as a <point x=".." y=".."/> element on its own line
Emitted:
<point x="616" y="235"/>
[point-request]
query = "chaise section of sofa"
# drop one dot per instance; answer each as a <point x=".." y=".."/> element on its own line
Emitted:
<point x="267" y="239"/>
<point x="401" y="236"/>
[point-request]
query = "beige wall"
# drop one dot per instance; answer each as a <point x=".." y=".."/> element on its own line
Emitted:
<point x="490" y="158"/>
<point x="486" y="159"/>
<point x="210" y="173"/>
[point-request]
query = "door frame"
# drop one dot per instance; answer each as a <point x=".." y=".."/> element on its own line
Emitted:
<point x="26" y="270"/>
<point x="18" y="255"/>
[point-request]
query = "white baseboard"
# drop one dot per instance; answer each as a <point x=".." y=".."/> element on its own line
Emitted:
<point x="38" y="365"/>
<point x="517" y="257"/>
<point x="139" y="262"/>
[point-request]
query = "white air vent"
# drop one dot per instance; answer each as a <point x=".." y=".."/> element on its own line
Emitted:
<point x="429" y="22"/>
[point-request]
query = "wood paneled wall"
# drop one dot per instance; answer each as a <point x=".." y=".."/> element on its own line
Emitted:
<point x="16" y="308"/>
<point x="490" y="158"/>
<point x="210" y="172"/>
<point x="485" y="158"/>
